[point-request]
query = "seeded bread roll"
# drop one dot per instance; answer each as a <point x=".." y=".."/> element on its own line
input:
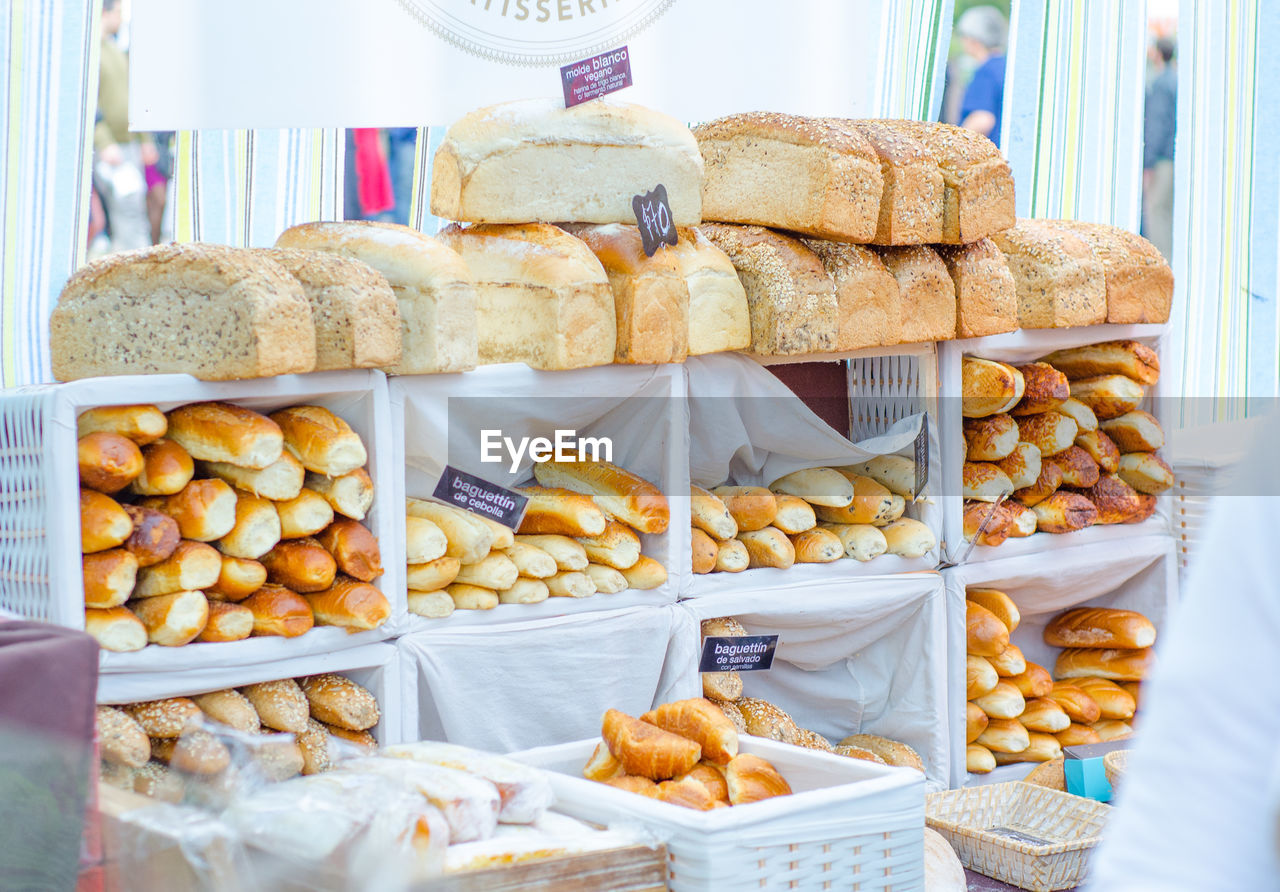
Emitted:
<point x="894" y="752"/>
<point x="986" y="297"/>
<point x="214" y="312"/>
<point x="927" y="296"/>
<point x="317" y="752"/>
<point x="763" y="719"/>
<point x="722" y="686"/>
<point x="121" y="739"/>
<point x="1059" y="283"/>
<point x="230" y="707"/>
<point x="164" y="718"/>
<point x="911" y="201"/>
<point x="718" y="316"/>
<point x="281" y="705"/>
<point x="868" y="307"/>
<point x="337" y="700"/>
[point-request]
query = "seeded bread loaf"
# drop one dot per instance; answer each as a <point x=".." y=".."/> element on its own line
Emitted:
<point x="813" y="175"/>
<point x="911" y="203"/>
<point x="977" y="200"/>
<point x="986" y="297"/>
<point x="1139" y="281"/>
<point x="1059" y="282"/>
<point x="213" y="312"/>
<point x="869" y="310"/>
<point x="927" y="296"/>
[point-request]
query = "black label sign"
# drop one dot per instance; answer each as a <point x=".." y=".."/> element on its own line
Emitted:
<point x="740" y="653"/>
<point x="595" y="77"/>
<point x="471" y="493"/>
<point x="653" y="216"/>
<point x="922" y="457"/>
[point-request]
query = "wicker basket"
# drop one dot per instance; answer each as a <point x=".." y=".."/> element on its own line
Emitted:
<point x="1023" y="834"/>
<point x="1114" y="764"/>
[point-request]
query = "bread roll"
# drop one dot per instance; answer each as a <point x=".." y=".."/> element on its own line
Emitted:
<point x="256" y="531"/>
<point x="108" y="462"/>
<point x="1129" y="358"/>
<point x="1081" y="414"/>
<point x="988" y="387"/>
<point x="238" y="578"/>
<point x="975" y="722"/>
<point x="157" y="781"/>
<point x="998" y="603"/>
<point x="570" y="584"/>
<point x="569" y="554"/>
<point x="763" y="719"/>
<point x="350" y="495"/>
<point x="1064" y="512"/>
<point x="191" y="567"/>
<point x="204" y="509"/>
<point x="1116" y="703"/>
<point x="795" y="515"/>
<point x="979" y="760"/>
<point x="893" y="752"/>
<point x="1109" y="396"/>
<point x="1004" y="701"/>
<point x="1112" y="730"/>
<point x="494" y="571"/>
<point x="1100" y="627"/>
<point x="115" y="629"/>
<point x="141" y="424"/>
<point x="1139" y="281"/>
<point x="768" y="547"/>
<point x="304" y="515"/>
<point x="1004" y="736"/>
<point x="337" y="700"/>
<point x="817" y="486"/>
<point x="1116" y="501"/>
<point x="223" y="432"/>
<point x="531" y="562"/>
<point x="166" y="469"/>
<point x="109" y="577"/>
<point x="425" y="541"/>
<point x="1101" y="449"/>
<point x="1042" y="748"/>
<point x="646" y="574"/>
<point x="1135" y="431"/>
<point x="432" y="286"/>
<point x="155" y="535"/>
<point x="279" y="611"/>
<point x="817" y="546"/>
<point x="1044" y="715"/>
<point x="230" y="707"/>
<point x="986" y="297"/>
<point x="535" y="591"/>
<point x="301" y="565"/>
<point x="722" y="686"/>
<point x="1050" y="432"/>
<point x="1046" y="389"/>
<point x="990" y="439"/>
<point x="354" y="549"/>
<point x="1024" y="521"/>
<point x="1009" y="663"/>
<point x="1111" y="663"/>
<point x="699" y="720"/>
<point x="1079" y="470"/>
<point x="718" y="316"/>
<point x="618" y="546"/>
<point x="926" y="294"/>
<point x="985" y="635"/>
<point x="722" y="626"/>
<point x="433" y="575"/>
<point x="980" y="677"/>
<point x="909" y="538"/>
<point x="227" y="622"/>
<point x="987" y="523"/>
<point x="281" y="705"/>
<point x="985" y="482"/>
<point x="647" y="750"/>
<point x="1078" y="705"/>
<point x="732" y="556"/>
<point x="320" y="440"/>
<point x="561" y="512"/>
<point x="1034" y="682"/>
<point x="710" y="515"/>
<point x="121" y="739"/>
<point x="1077" y="735"/>
<point x="1059" y="283"/>
<point x="433" y="605"/>
<point x="164" y="718"/>
<point x="349" y="604"/>
<point x="1146" y="472"/>
<point x="897" y="508"/>
<point x="730" y="709"/>
<point x="280" y="481"/>
<point x="175" y="619"/>
<point x="705" y="551"/>
<point x="897" y="473"/>
<point x="360" y="738"/>
<point x="861" y="542"/>
<point x="503" y="536"/>
<point x="103" y="523"/>
<point x="872" y="503"/>
<point x="1045" y="485"/>
<point x="317" y="752"/>
<point x="621" y="494"/>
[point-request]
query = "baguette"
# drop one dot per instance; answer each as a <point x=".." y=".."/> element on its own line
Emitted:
<point x="535" y="591"/>
<point x="280" y="481"/>
<point x="893" y="752"/>
<point x="1077" y="734"/>
<point x="1078" y="468"/>
<point x="164" y="718"/>
<point x="301" y="565"/>
<point x="470" y="597"/>
<point x="988" y="387"/>
<point x="281" y="705"/>
<point x="569" y="554"/>
<point x="985" y="635"/>
<point x="980" y="676"/>
<point x="980" y="760"/>
<point x="433" y="605"/>
<point x="494" y="571"/>
<point x="990" y="439"/>
<point x="227" y="622"/>
<point x="337" y="700"/>
<point x="166" y="469"/>
<point x="896" y="473"/>
<point x="709" y="514"/>
<point x="909" y="538"/>
<point x="1034" y="682"/>
<point x="1004" y="701"/>
<point x="817" y="546"/>
<point x="1078" y="705"/>
<point x="304" y="515"/>
<point x="1044" y="715"/>
<point x="1135" y="431"/>
<point x="468" y="539"/>
<point x="1064" y="512"/>
<point x="560" y="512"/>
<point x="975" y="722"/>
<point x="1109" y="396"/>
<point x="1081" y="414"/>
<point x="1115" y="703"/>
<point x="1009" y="662"/>
<point x="317" y="753"/>
<point x="1004" y="736"/>
<point x="723" y="686"/>
<point x="570" y="584"/>
<point x="622" y="494"/>
<point x="1044" y="486"/>
<point x="1042" y="748"/>
<point x="872" y="503"/>
<point x="732" y="556"/>
<point x="994" y="521"/>
<point x="1050" y="432"/>
<point x="794" y="516"/>
<point x="817" y="486"/>
<point x="141" y="424"/>
<point x="1046" y="389"/>
<point x="531" y="562"/>
<point x="1100" y="627"/>
<point x="225" y="432"/>
<point x="618" y="546"/>
<point x="752" y="507"/>
<point x="985" y="482"/>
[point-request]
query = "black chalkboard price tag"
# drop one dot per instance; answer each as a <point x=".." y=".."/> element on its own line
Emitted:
<point x="480" y="496"/>
<point x="653" y="216"/>
<point x="738" y="653"/>
<point x="922" y="457"/>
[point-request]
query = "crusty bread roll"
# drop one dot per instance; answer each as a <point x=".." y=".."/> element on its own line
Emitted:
<point x="986" y="298"/>
<point x="569" y="554"/>
<point x="238" y="578"/>
<point x="618" y="546"/>
<point x="1100" y="627"/>
<point x="868" y="306"/>
<point x="897" y="508"/>
<point x="103" y="523"/>
<point x="987" y="523"/>
<point x="166" y="469"/>
<point x="722" y="626"/>
<point x="1044" y="715"/>
<point x="433" y="605"/>
<point x="1079" y="470"/>
<point x="647" y="750"/>
<point x="1050" y="432"/>
<point x="985" y="482"/>
<point x="709" y="514"/>
<point x="988" y="387"/>
<point x="531" y="562"/>
<point x="730" y="709"/>
<point x="304" y="515"/>
<point x="1101" y="449"/>
<point x="494" y="571"/>
<point x="211" y="311"/>
<point x="768" y="547"/>
<point x="155" y="535"/>
<point x="926" y="294"/>
<point x="230" y="707"/>
<point x="256" y="531"/>
<point x="897" y="473"/>
<point x="1078" y="705"/>
<point x="1034" y="682"/>
<point x="732" y="556"/>
<point x="108" y="462"/>
<point x="302" y="565"/>
<point x="354" y="549"/>
<point x="1064" y="512"/>
<point x="817" y="546"/>
<point x="718" y="316"/>
<point x="1129" y="358"/>
<point x="535" y="591"/>
<point x="1004" y="736"/>
<point x="227" y="622"/>
<point x="1004" y="701"/>
<point x="281" y="480"/>
<point x="909" y="538"/>
<point x="204" y="509"/>
<point x="980" y="676"/>
<point x="1135" y="431"/>
<point x="349" y="604"/>
<point x="1077" y="734"/>
<point x="121" y="739"/>
<point x="1009" y="662"/>
<point x="705" y="551"/>
<point x="1146" y="472"/>
<point x="794" y="516"/>
<point x="979" y="760"/>
<point x="467" y="538"/>
<point x="1024" y="522"/>
<point x="224" y="432"/>
<point x="621" y="494"/>
<point x="722" y="686"/>
<point x="1109" y="396"/>
<point x="985" y="635"/>
<point x="1046" y="389"/>
<point x="1045" y="485"/>
<point x="433" y="575"/>
<point x="559" y="511"/>
<point x="911" y="202"/>
<point x="109" y="577"/>
<point x="1042" y="748"/>
<point x="431" y="283"/>
<point x="1116" y="501"/>
<point x="975" y="722"/>
<point x="337" y="700"/>
<point x="115" y="628"/>
<point x="990" y="439"/>
<point x="1139" y="281"/>
<point x="862" y="542"/>
<point x="998" y="603"/>
<point x="1081" y="414"/>
<point x="1059" y="283"/>
<point x="192" y="566"/>
<point x="281" y="705"/>
<point x="1115" y="703"/>
<point x="174" y="619"/>
<point x="763" y="719"/>
<point x="893" y="752"/>
<point x="317" y="752"/>
<point x="818" y="486"/>
<point x="279" y="611"/>
<point x="872" y="503"/>
<point x="350" y="495"/>
<point x="1112" y="729"/>
<point x="699" y="720"/>
<point x="140" y="423"/>
<point x="752" y="507"/>
<point x="164" y="718"/>
<point x="570" y="584"/>
<point x="647" y="573"/>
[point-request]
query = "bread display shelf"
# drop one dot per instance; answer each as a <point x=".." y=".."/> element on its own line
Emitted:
<point x="40" y="566"/>
<point x="858" y="817"/>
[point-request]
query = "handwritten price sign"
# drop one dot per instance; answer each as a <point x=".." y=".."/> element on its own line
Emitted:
<point x="653" y="216"/>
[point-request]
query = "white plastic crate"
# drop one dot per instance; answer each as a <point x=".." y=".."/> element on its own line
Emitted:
<point x="849" y="824"/>
<point x="40" y="559"/>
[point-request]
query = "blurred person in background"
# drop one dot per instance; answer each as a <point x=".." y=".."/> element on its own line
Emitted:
<point x="1160" y="116"/>
<point x="984" y="33"/>
<point x="402" y="143"/>
<point x="119" y="156"/>
<point x="157" y="176"/>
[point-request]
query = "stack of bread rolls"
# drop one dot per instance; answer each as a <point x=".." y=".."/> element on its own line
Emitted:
<point x="580" y="536"/>
<point x="1064" y="447"/>
<point x="215" y="523"/>
<point x="818" y="515"/>
<point x="157" y="746"/>
<point x="1017" y="711"/>
<point x="684" y="753"/>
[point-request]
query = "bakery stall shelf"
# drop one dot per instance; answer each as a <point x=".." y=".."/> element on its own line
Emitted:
<point x="1137" y="574"/>
<point x="1020" y="348"/>
<point x="41" y="571"/>
<point x="510" y="686"/>
<point x="807" y="503"/>
<point x="854" y="657"/>
<point x="487" y="422"/>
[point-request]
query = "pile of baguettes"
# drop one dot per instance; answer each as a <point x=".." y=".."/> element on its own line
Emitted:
<point x="816" y="240"/>
<point x="215" y="523"/>
<point x="580" y="536"/>
<point x="1018" y="712"/>
<point x="154" y="747"/>
<point x="1064" y="439"/>
<point x="760" y="718"/>
<point x="813" y="516"/>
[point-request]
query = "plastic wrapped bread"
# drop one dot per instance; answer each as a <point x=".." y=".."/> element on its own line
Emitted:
<point x="470" y="804"/>
<point x="525" y="792"/>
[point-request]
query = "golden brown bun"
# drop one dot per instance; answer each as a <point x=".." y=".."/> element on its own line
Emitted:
<point x="732" y="556"/>
<point x="230" y="707"/>
<point x="175" y="619"/>
<point x="990" y="439"/>
<point x="818" y="486"/>
<point x="227" y="622"/>
<point x="141" y="424"/>
<point x="1135" y="431"/>
<point x="1101" y="449"/>
<point x="337" y="700"/>
<point x="988" y="387"/>
<point x="1116" y="501"/>
<point x="894" y="752"/>
<point x="302" y="565"/>
<point x="704" y="550"/>
<point x="752" y="507"/>
<point x="1009" y="662"/>
<point x="560" y="512"/>
<point x="722" y="627"/>
<point x="1146" y="472"/>
<point x="1034" y="682"/>
<point x="721" y="685"/>
<point x="993" y="521"/>
<point x="1113" y="664"/>
<point x="359" y="738"/>
<point x="1024" y="521"/>
<point x="103" y="523"/>
<point x="857" y="752"/>
<point x="1116" y="703"/>
<point x="978" y="759"/>
<point x="985" y="482"/>
<point x="817" y="546"/>
<point x="433" y="575"/>
<point x="1048" y="774"/>
<point x="121" y="739"/>
<point x="1064" y="512"/>
<point x="602" y="765"/>
<point x="1004" y="736"/>
<point x="1112" y="729"/>
<point x="698" y="719"/>
<point x="320" y="440"/>
<point x="164" y="718"/>
<point x="205" y="509"/>
<point x="634" y="784"/>
<point x="621" y="494"/>
<point x="617" y="546"/>
<point x="238" y="578"/>
<point x="709" y="514"/>
<point x="647" y="750"/>
<point x="279" y="760"/>
<point x="304" y="515"/>
<point x="812" y="740"/>
<point x="115" y="629"/>
<point x="1046" y="389"/>
<point x="279" y="611"/>
<point x="908" y="537"/>
<point x="1129" y="358"/>
<point x="1078" y="467"/>
<point x="195" y="752"/>
<point x="980" y="676"/>
<point x="1077" y="735"/>
<point x="108" y="462"/>
<point x="155" y="535"/>
<point x="1004" y="701"/>
<point x="351" y="604"/>
<point x="1081" y="414"/>
<point x="985" y="635"/>
<point x="350" y="495"/>
<point x="732" y="712"/>
<point x="109" y="577"/>
<point x="280" y="704"/>
<point x="763" y="719"/>
<point x="281" y="480"/>
<point x="317" y="754"/>
<point x="1109" y="396"/>
<point x="191" y="567"/>
<point x="1043" y="748"/>
<point x="751" y="779"/>
<point x="1100" y="627"/>
<point x="1046" y="485"/>
<point x="256" y="530"/>
<point x="1050" y="432"/>
<point x="794" y="516"/>
<point x="433" y="605"/>
<point x="225" y="432"/>
<point x="166" y="469"/>
<point x="1078" y="705"/>
<point x="768" y="547"/>
<point x="872" y="502"/>
<point x="712" y="777"/>
<point x="1044" y="715"/>
<point x="998" y="603"/>
<point x="354" y="549"/>
<point x="975" y="722"/>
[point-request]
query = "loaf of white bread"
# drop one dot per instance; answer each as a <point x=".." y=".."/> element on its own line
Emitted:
<point x="537" y="161"/>
<point x="719" y="318"/>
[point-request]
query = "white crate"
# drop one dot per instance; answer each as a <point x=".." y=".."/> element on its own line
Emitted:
<point x="849" y="824"/>
<point x="40" y="566"/>
<point x="375" y="667"/>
